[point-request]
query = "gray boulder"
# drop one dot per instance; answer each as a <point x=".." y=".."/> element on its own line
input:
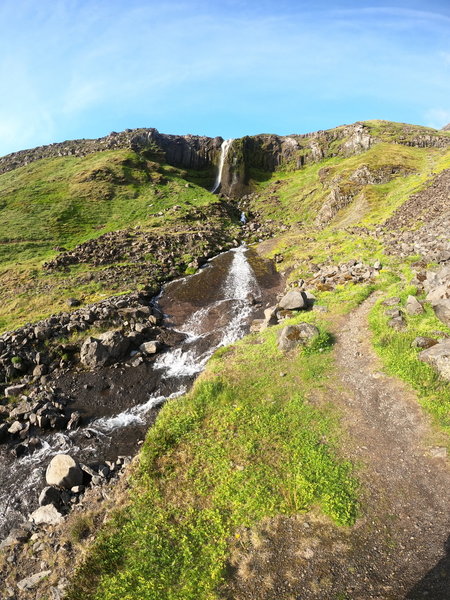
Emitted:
<point x="293" y="300"/>
<point x="413" y="306"/>
<point x="32" y="581"/>
<point x="104" y="349"/>
<point x="438" y="356"/>
<point x="50" y="495"/>
<point x="442" y="310"/>
<point x="292" y="336"/>
<point x="150" y="347"/>
<point x="63" y="471"/>
<point x="46" y="515"/>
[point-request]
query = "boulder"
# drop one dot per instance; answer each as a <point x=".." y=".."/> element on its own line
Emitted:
<point x="423" y="342"/>
<point x="293" y="300"/>
<point x="103" y="350"/>
<point x="47" y="515"/>
<point x="63" y="471"/>
<point x="150" y="347"/>
<point x="32" y="581"/>
<point x="50" y="495"/>
<point x="413" y="306"/>
<point x="442" y="310"/>
<point x="292" y="336"/>
<point x="438" y="356"/>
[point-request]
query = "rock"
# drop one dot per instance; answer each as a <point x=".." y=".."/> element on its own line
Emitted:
<point x="391" y="301"/>
<point x="16" y="536"/>
<point x="293" y="300"/>
<point x="270" y="317"/>
<point x="438" y="356"/>
<point x="16" y="427"/>
<point x="73" y="302"/>
<point x="46" y="515"/>
<point x="105" y="349"/>
<point x="413" y="306"/>
<point x="63" y="471"/>
<point x="50" y="495"/>
<point x="423" y="342"/>
<point x="14" y="390"/>
<point x="32" y="581"/>
<point x="442" y="310"/>
<point x="40" y="370"/>
<point x="438" y="452"/>
<point x="292" y="336"/>
<point x="150" y="347"/>
<point x="74" y="420"/>
<point x="257" y="325"/>
<point x="397" y="323"/>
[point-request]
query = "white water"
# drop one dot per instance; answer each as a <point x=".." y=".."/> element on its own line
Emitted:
<point x="189" y="359"/>
<point x="233" y="307"/>
<point x="223" y="154"/>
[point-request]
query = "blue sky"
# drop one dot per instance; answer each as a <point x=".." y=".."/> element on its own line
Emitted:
<point x="82" y="68"/>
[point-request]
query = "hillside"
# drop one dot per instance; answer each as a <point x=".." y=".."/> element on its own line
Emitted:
<point x="291" y="469"/>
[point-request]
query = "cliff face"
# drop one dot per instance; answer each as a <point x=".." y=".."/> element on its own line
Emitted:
<point x="188" y="151"/>
<point x="265" y="152"/>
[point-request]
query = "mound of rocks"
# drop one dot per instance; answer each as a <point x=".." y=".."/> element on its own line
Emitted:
<point x="328" y="276"/>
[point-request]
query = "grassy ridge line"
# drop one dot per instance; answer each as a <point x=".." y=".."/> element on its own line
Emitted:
<point x="245" y="444"/>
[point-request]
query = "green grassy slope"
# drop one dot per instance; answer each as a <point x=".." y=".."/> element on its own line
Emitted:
<point x="59" y="203"/>
<point x="247" y="443"/>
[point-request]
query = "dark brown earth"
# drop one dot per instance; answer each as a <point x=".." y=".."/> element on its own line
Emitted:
<point x="399" y="547"/>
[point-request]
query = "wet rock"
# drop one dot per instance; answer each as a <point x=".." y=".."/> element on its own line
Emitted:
<point x="63" y="471"/>
<point x="413" y="306"/>
<point x="438" y="356"/>
<point x="423" y="342"/>
<point x="292" y="336"/>
<point x="46" y="515"/>
<point x="293" y="300"/>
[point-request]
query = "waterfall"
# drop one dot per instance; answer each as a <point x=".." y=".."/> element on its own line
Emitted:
<point x="182" y="364"/>
<point x="230" y="286"/>
<point x="223" y="154"/>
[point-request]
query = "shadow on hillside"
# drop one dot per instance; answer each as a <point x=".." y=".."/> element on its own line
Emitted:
<point x="436" y="583"/>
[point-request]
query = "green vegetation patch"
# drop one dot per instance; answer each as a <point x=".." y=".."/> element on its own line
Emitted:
<point x="401" y="359"/>
<point x="245" y="444"/>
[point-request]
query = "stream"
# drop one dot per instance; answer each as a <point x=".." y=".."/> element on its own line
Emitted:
<point x="207" y="310"/>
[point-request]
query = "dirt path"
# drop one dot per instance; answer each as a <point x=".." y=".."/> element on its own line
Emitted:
<point x="396" y="550"/>
<point x="408" y="487"/>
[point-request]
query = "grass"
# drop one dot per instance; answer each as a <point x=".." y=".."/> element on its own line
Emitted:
<point x="401" y="360"/>
<point x="62" y="202"/>
<point x="245" y="444"/>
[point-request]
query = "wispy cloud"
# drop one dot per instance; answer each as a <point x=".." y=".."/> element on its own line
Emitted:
<point x="80" y="69"/>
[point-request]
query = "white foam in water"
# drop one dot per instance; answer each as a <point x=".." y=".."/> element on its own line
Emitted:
<point x="134" y="415"/>
<point x="186" y="361"/>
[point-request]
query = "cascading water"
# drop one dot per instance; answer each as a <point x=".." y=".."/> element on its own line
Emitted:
<point x="223" y="154"/>
<point x="235" y="302"/>
<point x="216" y="307"/>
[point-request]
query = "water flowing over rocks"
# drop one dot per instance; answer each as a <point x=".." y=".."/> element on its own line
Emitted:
<point x="90" y="412"/>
